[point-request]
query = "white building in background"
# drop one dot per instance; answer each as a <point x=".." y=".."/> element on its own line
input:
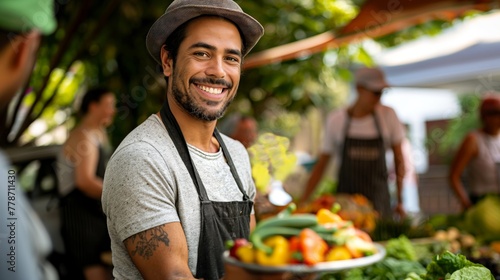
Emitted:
<point x="429" y="73"/>
<point x="415" y="106"/>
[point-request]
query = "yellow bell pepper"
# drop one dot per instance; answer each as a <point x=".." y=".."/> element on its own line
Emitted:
<point x="280" y="254"/>
<point x="246" y="253"/>
<point x="338" y="253"/>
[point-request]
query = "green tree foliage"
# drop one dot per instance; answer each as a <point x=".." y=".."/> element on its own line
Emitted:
<point x="460" y="126"/>
<point x="103" y="43"/>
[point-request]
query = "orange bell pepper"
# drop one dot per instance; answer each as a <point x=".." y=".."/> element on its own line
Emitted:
<point x="313" y="246"/>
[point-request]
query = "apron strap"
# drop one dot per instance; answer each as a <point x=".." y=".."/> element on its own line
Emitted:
<point x="231" y="164"/>
<point x="175" y="132"/>
<point x="180" y="143"/>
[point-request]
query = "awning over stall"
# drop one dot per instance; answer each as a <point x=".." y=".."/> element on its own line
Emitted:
<point x="376" y="18"/>
<point x="464" y="58"/>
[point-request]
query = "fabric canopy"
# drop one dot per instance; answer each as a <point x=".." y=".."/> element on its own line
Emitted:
<point x="376" y="18"/>
<point x="464" y="58"/>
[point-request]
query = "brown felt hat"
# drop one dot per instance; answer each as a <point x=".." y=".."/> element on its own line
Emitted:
<point x="181" y="11"/>
<point x="372" y="78"/>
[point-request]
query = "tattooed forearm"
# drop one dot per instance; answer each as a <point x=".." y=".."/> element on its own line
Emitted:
<point x="146" y="242"/>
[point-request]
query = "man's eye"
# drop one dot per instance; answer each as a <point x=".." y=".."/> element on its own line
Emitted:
<point x="200" y="54"/>
<point x="233" y="59"/>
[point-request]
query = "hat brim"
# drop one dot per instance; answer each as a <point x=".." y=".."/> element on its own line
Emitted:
<point x="250" y="29"/>
<point x="377" y="85"/>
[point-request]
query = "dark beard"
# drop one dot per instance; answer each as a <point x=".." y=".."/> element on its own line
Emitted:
<point x="185" y="101"/>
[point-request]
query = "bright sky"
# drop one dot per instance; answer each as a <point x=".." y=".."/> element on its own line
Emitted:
<point x="461" y="35"/>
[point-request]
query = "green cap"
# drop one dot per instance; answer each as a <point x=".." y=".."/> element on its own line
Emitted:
<point x="25" y="15"/>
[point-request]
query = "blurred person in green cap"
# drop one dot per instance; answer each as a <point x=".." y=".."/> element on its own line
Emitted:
<point x="24" y="241"/>
<point x="22" y="22"/>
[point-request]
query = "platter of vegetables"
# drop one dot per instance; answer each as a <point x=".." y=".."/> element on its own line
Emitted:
<point x="304" y="243"/>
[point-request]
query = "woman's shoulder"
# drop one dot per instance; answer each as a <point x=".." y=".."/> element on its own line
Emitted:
<point x="385" y="110"/>
<point x="82" y="138"/>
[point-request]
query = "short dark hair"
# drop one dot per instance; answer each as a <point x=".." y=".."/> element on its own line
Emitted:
<point x="92" y="95"/>
<point x="6" y="37"/>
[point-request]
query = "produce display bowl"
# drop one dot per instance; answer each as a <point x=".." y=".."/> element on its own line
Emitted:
<point x="333" y="266"/>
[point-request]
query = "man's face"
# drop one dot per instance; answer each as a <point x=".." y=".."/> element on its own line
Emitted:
<point x="105" y="109"/>
<point x="206" y="75"/>
<point x="369" y="97"/>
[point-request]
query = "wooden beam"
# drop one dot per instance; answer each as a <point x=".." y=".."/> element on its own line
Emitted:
<point x="376" y="18"/>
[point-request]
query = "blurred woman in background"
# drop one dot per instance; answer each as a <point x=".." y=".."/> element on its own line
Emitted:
<point x="479" y="153"/>
<point x="81" y="171"/>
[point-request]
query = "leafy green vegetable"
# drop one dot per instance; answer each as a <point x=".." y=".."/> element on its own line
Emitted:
<point x="483" y="219"/>
<point x="443" y="266"/>
<point x="401" y="248"/>
<point x="447" y="264"/>
<point x="472" y="272"/>
<point x="413" y="276"/>
<point x="391" y="268"/>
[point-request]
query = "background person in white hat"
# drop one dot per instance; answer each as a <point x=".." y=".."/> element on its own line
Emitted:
<point x="358" y="136"/>
<point x="171" y="180"/>
<point x="24" y="241"/>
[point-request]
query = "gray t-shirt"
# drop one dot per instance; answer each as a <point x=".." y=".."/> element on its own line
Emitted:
<point x="147" y="185"/>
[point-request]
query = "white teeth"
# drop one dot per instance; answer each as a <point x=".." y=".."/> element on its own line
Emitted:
<point x="211" y="90"/>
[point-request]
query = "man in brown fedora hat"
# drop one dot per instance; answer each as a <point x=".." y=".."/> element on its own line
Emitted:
<point x="176" y="189"/>
<point x="358" y="136"/>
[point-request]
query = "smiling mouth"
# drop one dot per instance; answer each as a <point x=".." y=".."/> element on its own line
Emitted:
<point x="211" y="90"/>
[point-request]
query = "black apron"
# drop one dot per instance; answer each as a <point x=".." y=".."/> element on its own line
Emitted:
<point x="363" y="169"/>
<point x="220" y="221"/>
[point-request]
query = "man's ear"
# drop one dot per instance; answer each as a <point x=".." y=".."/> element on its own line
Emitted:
<point x="166" y="62"/>
<point x="24" y="50"/>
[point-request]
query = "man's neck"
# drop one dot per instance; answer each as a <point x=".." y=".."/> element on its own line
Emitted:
<point x="358" y="111"/>
<point x="196" y="132"/>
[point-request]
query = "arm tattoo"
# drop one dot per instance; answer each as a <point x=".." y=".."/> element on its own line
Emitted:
<point x="147" y="241"/>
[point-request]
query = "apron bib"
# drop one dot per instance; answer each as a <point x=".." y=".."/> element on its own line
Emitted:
<point x="220" y="221"/>
<point x="363" y="169"/>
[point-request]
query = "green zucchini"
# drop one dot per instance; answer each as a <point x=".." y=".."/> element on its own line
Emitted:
<point x="294" y="221"/>
<point x="288" y="210"/>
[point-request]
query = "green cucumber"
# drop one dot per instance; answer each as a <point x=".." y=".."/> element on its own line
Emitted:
<point x="322" y="229"/>
<point x="330" y="230"/>
<point x="294" y="221"/>
<point x="288" y="210"/>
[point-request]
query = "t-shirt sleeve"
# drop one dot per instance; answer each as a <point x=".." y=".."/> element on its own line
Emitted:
<point x="137" y="193"/>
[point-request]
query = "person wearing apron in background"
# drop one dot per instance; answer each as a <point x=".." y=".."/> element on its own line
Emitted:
<point x="479" y="153"/>
<point x="176" y="189"/>
<point x="358" y="137"/>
